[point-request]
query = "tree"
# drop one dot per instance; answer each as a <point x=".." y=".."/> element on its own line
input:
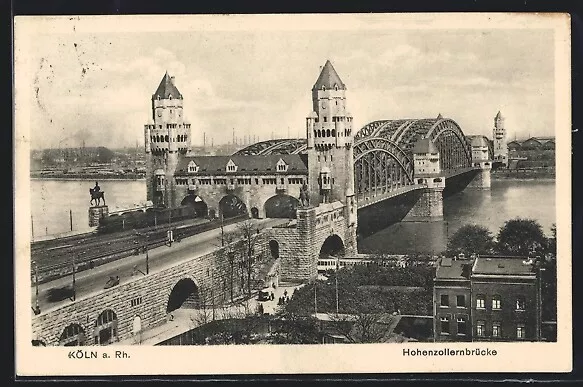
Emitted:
<point x="249" y="233"/>
<point x="521" y="237"/>
<point x="470" y="239"/>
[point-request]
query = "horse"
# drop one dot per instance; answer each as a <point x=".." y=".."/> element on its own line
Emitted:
<point x="96" y="196"/>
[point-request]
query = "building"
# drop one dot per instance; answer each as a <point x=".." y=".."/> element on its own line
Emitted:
<point x="315" y="189"/>
<point x="486" y="299"/>
<point x="532" y="143"/>
<point x="500" y="143"/>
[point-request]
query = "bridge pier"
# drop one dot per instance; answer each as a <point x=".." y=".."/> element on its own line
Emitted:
<point x="429" y="206"/>
<point x="482" y="179"/>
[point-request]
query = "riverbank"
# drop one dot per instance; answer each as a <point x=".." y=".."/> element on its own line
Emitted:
<point x="526" y="174"/>
<point x="66" y="177"/>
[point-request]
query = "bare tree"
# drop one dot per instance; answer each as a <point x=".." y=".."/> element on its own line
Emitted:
<point x="365" y="327"/>
<point x="249" y="233"/>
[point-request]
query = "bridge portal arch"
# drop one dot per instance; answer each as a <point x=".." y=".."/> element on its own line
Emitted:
<point x="184" y="292"/>
<point x="198" y="203"/>
<point x="332" y="246"/>
<point x="231" y="205"/>
<point x="281" y="206"/>
<point x="73" y="335"/>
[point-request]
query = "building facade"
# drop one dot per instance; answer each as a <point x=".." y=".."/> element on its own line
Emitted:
<point x="487" y="299"/>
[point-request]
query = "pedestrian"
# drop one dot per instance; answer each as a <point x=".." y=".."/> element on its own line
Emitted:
<point x="272" y="296"/>
<point x="285" y="292"/>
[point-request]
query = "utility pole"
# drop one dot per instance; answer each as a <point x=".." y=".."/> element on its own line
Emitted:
<point x="222" y="229"/>
<point x="36" y="306"/>
<point x="74" y="269"/>
<point x="71" y="218"/>
<point x="336" y="276"/>
<point x="315" y="298"/>
<point x="32" y="228"/>
<point x="147" y="257"/>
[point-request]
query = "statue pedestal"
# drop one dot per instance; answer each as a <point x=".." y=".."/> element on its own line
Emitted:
<point x="96" y="213"/>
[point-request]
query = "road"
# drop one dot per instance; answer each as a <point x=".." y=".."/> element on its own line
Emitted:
<point x="90" y="281"/>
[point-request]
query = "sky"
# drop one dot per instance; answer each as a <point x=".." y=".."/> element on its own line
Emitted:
<point x="95" y="84"/>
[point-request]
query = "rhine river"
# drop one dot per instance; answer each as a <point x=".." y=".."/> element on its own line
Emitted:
<point x="507" y="199"/>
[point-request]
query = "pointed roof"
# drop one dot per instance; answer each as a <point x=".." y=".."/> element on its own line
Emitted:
<point x="499" y="115"/>
<point x="328" y="78"/>
<point x="425" y="145"/>
<point x="167" y="88"/>
<point x="439" y="116"/>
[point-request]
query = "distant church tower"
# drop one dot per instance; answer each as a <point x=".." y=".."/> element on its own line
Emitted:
<point x="167" y="137"/>
<point x="500" y="143"/>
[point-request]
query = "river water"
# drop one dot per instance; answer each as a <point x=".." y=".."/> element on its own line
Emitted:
<point x="507" y="199"/>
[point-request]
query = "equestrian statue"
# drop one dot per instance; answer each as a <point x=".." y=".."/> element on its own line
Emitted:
<point x="96" y="195"/>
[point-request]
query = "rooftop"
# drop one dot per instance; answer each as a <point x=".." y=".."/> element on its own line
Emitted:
<point x="329" y="78"/>
<point x="459" y="269"/>
<point x="245" y="164"/>
<point x="167" y="89"/>
<point x="425" y="145"/>
<point x="503" y="266"/>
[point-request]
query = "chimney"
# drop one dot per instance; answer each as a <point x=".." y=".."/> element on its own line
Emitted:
<point x="172" y="80"/>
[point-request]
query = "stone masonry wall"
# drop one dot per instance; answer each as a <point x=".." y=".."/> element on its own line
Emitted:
<point x="210" y="270"/>
<point x="428" y="207"/>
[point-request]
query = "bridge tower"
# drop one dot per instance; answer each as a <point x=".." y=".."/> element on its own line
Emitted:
<point x="330" y="139"/>
<point x="500" y="142"/>
<point x="167" y="138"/>
<point x="427" y="171"/>
<point x="332" y="210"/>
<point x="481" y="159"/>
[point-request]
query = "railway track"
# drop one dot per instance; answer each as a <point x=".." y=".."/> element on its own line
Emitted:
<point x="54" y="265"/>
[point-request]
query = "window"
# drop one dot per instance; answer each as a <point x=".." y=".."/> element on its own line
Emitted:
<point x="480" y="328"/>
<point x="480" y="301"/>
<point x="136" y="301"/>
<point x="520" y="303"/>
<point x="326" y="120"/>
<point x="496" y="302"/>
<point x="444" y="324"/>
<point x="496" y="329"/>
<point x="520" y="331"/>
<point x="444" y="300"/>
<point x="462" y="326"/>
<point x="461" y="301"/>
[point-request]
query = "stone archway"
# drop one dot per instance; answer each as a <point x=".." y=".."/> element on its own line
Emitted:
<point x="281" y="206"/>
<point x="199" y="205"/>
<point x="73" y="335"/>
<point x="231" y="206"/>
<point x="105" y="331"/>
<point x="184" y="293"/>
<point x="332" y="246"/>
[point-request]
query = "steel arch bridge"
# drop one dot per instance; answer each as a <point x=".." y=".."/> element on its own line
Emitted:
<point x="383" y="152"/>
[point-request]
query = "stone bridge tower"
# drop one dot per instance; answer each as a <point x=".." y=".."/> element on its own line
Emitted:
<point x="167" y="137"/>
<point x="330" y="140"/>
<point x="332" y="211"/>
